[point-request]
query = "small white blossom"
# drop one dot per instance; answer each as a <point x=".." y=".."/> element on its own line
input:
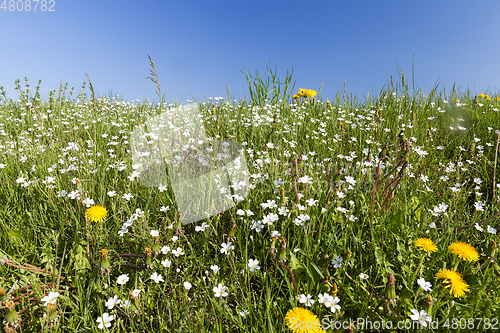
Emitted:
<point x="220" y="290"/>
<point x="253" y="264"/>
<point x="122" y="279"/>
<point x="491" y="230"/>
<point x="337" y="262"/>
<point x="426" y="286"/>
<point x="306" y="299"/>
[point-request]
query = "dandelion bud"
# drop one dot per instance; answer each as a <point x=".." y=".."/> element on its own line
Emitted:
<point x="148" y="256"/>
<point x="156" y="244"/>
<point x="496" y="267"/>
<point x="390" y="288"/>
<point x="52" y="308"/>
<point x="402" y="138"/>
<point x="3" y="294"/>
<point x="232" y="231"/>
<point x="282" y="250"/>
<point x="335" y="289"/>
<point x="326" y="285"/>
<point x="178" y="225"/>
<point x="104" y="260"/>
<point x="301" y="162"/>
<point x="383" y="153"/>
<point x="295" y="167"/>
<point x="11" y="315"/>
<point x="337" y="175"/>
<point x="273" y="243"/>
<point x="347" y="254"/>
<point x="428" y="304"/>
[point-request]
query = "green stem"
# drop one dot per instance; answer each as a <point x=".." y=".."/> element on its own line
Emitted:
<point x="417" y="270"/>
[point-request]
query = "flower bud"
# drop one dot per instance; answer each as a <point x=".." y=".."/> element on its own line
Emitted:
<point x="232" y="231"/>
<point x="3" y="295"/>
<point x="52" y="308"/>
<point x="327" y="287"/>
<point x="282" y="250"/>
<point x="104" y="260"/>
<point x="178" y="224"/>
<point x="273" y="243"/>
<point x="383" y="153"/>
<point x="401" y="137"/>
<point x="428" y="304"/>
<point x="390" y="288"/>
<point x="337" y="175"/>
<point x="11" y="315"/>
<point x="156" y="244"/>
<point x="335" y="289"/>
<point x="301" y="162"/>
<point x="148" y="256"/>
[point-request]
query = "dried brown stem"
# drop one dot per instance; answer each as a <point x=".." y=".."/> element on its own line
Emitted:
<point x="289" y="272"/>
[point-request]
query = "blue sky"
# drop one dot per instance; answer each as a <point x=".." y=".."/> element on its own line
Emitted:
<point x="199" y="46"/>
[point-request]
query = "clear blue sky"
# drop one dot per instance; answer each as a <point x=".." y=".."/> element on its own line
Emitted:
<point x="199" y="46"/>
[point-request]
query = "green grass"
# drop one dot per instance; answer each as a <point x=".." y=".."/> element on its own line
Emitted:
<point x="441" y="148"/>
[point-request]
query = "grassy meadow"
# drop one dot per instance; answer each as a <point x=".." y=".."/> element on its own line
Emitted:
<point x="381" y="211"/>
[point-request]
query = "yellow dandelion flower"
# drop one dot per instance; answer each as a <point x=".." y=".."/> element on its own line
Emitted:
<point x="301" y="320"/>
<point x="10" y="305"/>
<point x="311" y="93"/>
<point x="425" y="244"/>
<point x="454" y="281"/>
<point x="96" y="213"/>
<point x="302" y="92"/>
<point x="104" y="253"/>
<point x="464" y="251"/>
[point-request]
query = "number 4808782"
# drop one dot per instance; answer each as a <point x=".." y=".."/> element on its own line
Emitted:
<point x="28" y="5"/>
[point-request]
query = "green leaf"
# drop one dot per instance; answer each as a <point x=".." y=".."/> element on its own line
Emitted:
<point x="80" y="260"/>
<point x="15" y="234"/>
<point x="294" y="263"/>
<point x="317" y="270"/>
